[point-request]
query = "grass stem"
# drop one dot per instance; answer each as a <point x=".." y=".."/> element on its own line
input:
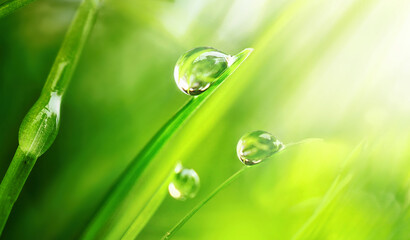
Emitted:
<point x="13" y="182"/>
<point x="41" y="124"/>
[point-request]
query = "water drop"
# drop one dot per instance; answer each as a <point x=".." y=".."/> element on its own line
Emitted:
<point x="40" y="126"/>
<point x="197" y="69"/>
<point x="185" y="183"/>
<point x="256" y="146"/>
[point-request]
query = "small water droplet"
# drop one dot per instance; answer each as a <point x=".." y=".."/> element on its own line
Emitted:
<point x="185" y="183"/>
<point x="197" y="69"/>
<point x="256" y="146"/>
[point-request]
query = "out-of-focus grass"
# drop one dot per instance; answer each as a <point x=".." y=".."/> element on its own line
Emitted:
<point x="336" y="69"/>
<point x="9" y="7"/>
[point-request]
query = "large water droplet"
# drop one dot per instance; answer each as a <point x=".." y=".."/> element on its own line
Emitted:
<point x="197" y="69"/>
<point x="40" y="126"/>
<point x="185" y="183"/>
<point x="256" y="146"/>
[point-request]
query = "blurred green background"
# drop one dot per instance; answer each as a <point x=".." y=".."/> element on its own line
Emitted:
<point x="337" y="70"/>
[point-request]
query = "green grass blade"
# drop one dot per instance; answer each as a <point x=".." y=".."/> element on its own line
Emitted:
<point x="11" y="6"/>
<point x="40" y="126"/>
<point x="150" y="208"/>
<point x="111" y="208"/>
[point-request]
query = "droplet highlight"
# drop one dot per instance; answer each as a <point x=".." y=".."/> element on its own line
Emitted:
<point x="256" y="146"/>
<point x="185" y="183"/>
<point x="199" y="68"/>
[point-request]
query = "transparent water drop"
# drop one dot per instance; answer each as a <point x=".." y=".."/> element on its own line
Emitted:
<point x="197" y="69"/>
<point x="256" y="146"/>
<point x="185" y="183"/>
<point x="40" y="126"/>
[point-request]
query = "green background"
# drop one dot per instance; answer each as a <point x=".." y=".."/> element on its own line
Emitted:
<point x="336" y="70"/>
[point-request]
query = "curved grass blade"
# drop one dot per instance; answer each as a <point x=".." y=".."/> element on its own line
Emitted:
<point x="40" y="126"/>
<point x="111" y="211"/>
<point x="9" y="7"/>
<point x="185" y="219"/>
